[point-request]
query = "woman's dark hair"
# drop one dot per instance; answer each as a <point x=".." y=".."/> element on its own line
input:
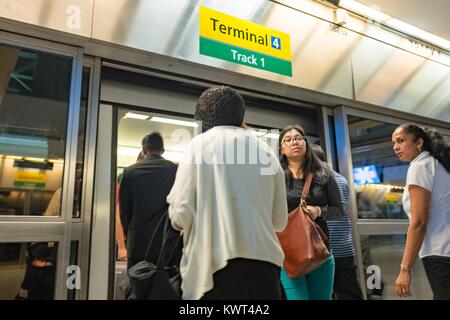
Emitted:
<point x="433" y="142"/>
<point x="311" y="163"/>
<point x="220" y="106"/>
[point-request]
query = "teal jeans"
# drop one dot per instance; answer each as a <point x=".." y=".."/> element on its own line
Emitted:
<point x="317" y="285"/>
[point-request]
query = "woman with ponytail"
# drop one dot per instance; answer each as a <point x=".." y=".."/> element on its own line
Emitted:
<point x="426" y="201"/>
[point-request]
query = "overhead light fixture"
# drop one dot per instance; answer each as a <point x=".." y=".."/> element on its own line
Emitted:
<point x="364" y="10"/>
<point x="56" y="160"/>
<point x="378" y="16"/>
<point x="272" y="135"/>
<point x="13" y="157"/>
<point x="175" y="122"/>
<point x="128" y="151"/>
<point x="258" y="133"/>
<point x="419" y="33"/>
<point x="35" y="159"/>
<point x="138" y="116"/>
<point x="174" y="156"/>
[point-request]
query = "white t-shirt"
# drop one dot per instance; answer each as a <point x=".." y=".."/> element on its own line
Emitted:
<point x="225" y="210"/>
<point x="425" y="171"/>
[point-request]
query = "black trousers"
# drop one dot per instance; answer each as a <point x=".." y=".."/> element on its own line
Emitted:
<point x="246" y="279"/>
<point x="39" y="282"/>
<point x="132" y="262"/>
<point x="346" y="286"/>
<point x="438" y="274"/>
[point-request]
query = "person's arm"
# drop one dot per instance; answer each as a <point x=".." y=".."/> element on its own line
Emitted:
<point x="182" y="196"/>
<point x="125" y="204"/>
<point x="419" y="205"/>
<point x="280" y="209"/>
<point x="54" y="206"/>
<point x="334" y="210"/>
<point x="120" y="238"/>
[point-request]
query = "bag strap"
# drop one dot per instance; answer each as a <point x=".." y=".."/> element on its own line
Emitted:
<point x="162" y="262"/>
<point x="306" y="188"/>
<point x="158" y="234"/>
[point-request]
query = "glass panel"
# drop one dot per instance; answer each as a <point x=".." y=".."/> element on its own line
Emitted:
<point x="385" y="252"/>
<point x="34" y="101"/>
<point x="81" y="144"/>
<point x="27" y="270"/>
<point x="378" y="175"/>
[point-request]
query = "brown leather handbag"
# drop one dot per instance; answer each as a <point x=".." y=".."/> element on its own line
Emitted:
<point x="303" y="241"/>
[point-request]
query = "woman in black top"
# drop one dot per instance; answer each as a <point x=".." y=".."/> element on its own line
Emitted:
<point x="324" y="203"/>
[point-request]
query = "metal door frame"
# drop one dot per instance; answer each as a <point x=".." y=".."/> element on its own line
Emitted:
<point x="58" y="229"/>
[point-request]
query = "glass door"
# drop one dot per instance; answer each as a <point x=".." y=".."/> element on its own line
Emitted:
<point x="39" y="173"/>
<point x="133" y="125"/>
<point x="379" y="221"/>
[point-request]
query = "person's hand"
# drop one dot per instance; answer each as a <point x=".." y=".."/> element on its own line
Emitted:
<point x="122" y="254"/>
<point x="402" y="284"/>
<point x="313" y="212"/>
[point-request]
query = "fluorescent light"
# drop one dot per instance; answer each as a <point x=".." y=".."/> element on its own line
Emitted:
<point x="35" y="159"/>
<point x="175" y="156"/>
<point x="272" y="135"/>
<point x="132" y="115"/>
<point x="175" y="122"/>
<point x="14" y="157"/>
<point x="364" y="10"/>
<point x="258" y="133"/>
<point x="419" y="33"/>
<point x="56" y="160"/>
<point x="396" y="24"/>
<point x="128" y="151"/>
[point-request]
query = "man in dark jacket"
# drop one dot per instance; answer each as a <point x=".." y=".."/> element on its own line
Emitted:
<point x="142" y="198"/>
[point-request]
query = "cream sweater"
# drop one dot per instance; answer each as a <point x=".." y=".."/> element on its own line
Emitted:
<point x="225" y="210"/>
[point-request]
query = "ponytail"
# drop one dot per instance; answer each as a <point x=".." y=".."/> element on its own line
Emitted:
<point x="439" y="148"/>
<point x="433" y="142"/>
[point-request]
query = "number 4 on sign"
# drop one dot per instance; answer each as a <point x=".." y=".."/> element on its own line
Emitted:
<point x="276" y="43"/>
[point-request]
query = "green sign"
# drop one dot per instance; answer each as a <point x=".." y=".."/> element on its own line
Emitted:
<point x="246" y="43"/>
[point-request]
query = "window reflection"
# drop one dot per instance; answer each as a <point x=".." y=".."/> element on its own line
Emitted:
<point x="34" y="95"/>
<point x="384" y="253"/>
<point x="27" y="270"/>
<point x="81" y="144"/>
<point x="379" y="177"/>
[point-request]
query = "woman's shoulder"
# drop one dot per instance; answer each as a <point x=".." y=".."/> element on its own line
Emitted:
<point x="323" y="177"/>
<point x="426" y="162"/>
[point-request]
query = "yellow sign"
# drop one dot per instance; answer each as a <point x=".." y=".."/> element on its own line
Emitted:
<point x="391" y="197"/>
<point x="29" y="178"/>
<point x="228" y="38"/>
